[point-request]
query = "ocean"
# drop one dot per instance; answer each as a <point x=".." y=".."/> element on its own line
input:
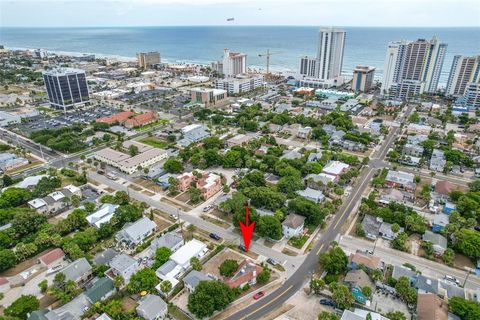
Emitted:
<point x="204" y="44"/>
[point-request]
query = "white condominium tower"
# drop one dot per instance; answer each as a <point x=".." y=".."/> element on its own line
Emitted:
<point x="465" y="70"/>
<point x="413" y="67"/>
<point x="233" y="64"/>
<point x="330" y="53"/>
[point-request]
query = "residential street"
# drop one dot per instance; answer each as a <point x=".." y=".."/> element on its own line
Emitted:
<point x="391" y="256"/>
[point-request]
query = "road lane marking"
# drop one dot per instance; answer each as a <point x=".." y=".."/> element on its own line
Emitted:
<point x="268" y="303"/>
<point x="346" y="208"/>
<point x="320" y="249"/>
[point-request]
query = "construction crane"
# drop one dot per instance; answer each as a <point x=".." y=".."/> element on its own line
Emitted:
<point x="268" y="54"/>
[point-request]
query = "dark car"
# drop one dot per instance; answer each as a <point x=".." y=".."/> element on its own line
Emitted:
<point x="327" y="302"/>
<point x="242" y="247"/>
<point x="215" y="236"/>
<point x="258" y="295"/>
<point x="272" y="262"/>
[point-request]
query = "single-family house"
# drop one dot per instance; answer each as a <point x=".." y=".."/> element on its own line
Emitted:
<point x="426" y="285"/>
<point x="438" y="241"/>
<point x="193" y="278"/>
<point x="135" y="233"/>
<point x="247" y="274"/>
<point x="79" y="271"/>
<point x="335" y="168"/>
<point x="431" y="307"/>
<point x="100" y="290"/>
<point x="52" y="258"/>
<point x="104" y="257"/>
<point x="440" y="221"/>
<point x="293" y="225"/>
<point x="361" y="258"/>
<point x="402" y="271"/>
<point x="405" y="180"/>
<point x="312" y="195"/>
<point x="170" y="240"/>
<point x="123" y="265"/>
<point x="356" y="280"/>
<point x="443" y="188"/>
<point x="152" y="307"/>
<point x="437" y="161"/>
<point x="103" y="215"/>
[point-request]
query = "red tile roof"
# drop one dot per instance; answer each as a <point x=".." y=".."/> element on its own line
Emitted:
<point x="141" y="119"/>
<point x="3" y="281"/>
<point x="52" y="256"/>
<point x="247" y="271"/>
<point x="431" y="307"/>
<point x="119" y="117"/>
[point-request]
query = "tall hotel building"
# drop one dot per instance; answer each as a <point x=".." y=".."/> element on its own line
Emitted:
<point x="148" y="59"/>
<point x="362" y="78"/>
<point x="465" y="70"/>
<point x="413" y="67"/>
<point x="66" y="87"/>
<point x="232" y="65"/>
<point x="326" y="68"/>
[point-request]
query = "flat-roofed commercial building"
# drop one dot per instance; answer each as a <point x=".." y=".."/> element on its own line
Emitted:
<point x="66" y="87"/>
<point x="239" y="84"/>
<point x="208" y="96"/>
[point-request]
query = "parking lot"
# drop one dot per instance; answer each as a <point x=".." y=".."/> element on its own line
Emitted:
<point x="76" y="116"/>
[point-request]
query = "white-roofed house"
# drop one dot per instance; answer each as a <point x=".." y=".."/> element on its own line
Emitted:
<point x="102" y="215"/>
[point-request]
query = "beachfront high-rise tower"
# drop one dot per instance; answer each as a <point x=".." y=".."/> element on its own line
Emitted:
<point x="331" y="42"/>
<point x="66" y="87"/>
<point x="465" y="69"/>
<point x="413" y="67"/>
<point x="148" y="59"/>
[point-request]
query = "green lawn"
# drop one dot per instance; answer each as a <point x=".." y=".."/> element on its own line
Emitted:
<point x="298" y="242"/>
<point x="155" y="142"/>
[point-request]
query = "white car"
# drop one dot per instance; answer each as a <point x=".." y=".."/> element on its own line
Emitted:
<point x="452" y="280"/>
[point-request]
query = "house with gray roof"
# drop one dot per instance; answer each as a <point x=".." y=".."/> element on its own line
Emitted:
<point x="312" y="195"/>
<point x="293" y="225"/>
<point x="100" y="290"/>
<point x="104" y="257"/>
<point x="448" y="291"/>
<point x="401" y="271"/>
<point x="72" y="310"/>
<point x="170" y="240"/>
<point x="437" y="160"/>
<point x="192" y="279"/>
<point x="123" y="265"/>
<point x="426" y="285"/>
<point x="152" y="307"/>
<point x="135" y="233"/>
<point x="79" y="271"/>
<point x="438" y="241"/>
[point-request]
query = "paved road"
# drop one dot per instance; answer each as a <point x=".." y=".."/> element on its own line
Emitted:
<point x="31" y="146"/>
<point x="227" y="234"/>
<point x="391" y="256"/>
<point x="274" y="300"/>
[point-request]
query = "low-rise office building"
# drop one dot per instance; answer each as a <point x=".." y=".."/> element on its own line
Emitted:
<point x="240" y="84"/>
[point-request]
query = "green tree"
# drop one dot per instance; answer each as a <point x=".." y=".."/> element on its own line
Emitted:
<point x="405" y="291"/>
<point x="467" y="241"/>
<point x="195" y="264"/>
<point x="165" y="286"/>
<point x="325" y="315"/>
<point x="162" y="255"/>
<point x="264" y="276"/>
<point x="21" y="307"/>
<point x="143" y="280"/>
<point x="7" y="259"/>
<point x="208" y="297"/>
<point x="228" y="267"/>
<point x="43" y="285"/>
<point x="341" y="296"/>
<point x="195" y="195"/>
<point x="448" y="257"/>
<point x="465" y="309"/>
<point x="317" y="285"/>
<point x="334" y="261"/>
<point x="367" y="291"/>
<point x="173" y="165"/>
<point x="400" y="242"/>
<point x="269" y="226"/>
<point x="396" y="315"/>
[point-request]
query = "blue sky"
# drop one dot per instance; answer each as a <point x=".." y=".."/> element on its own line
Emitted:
<point x="395" y="13"/>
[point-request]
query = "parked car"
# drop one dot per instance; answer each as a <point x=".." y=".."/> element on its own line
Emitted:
<point x="258" y="295"/>
<point x="207" y="208"/>
<point x="242" y="248"/>
<point x="452" y="279"/>
<point x="272" y="262"/>
<point x="327" y="302"/>
<point x="215" y="236"/>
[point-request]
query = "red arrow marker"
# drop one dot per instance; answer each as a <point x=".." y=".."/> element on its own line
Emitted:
<point x="247" y="230"/>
